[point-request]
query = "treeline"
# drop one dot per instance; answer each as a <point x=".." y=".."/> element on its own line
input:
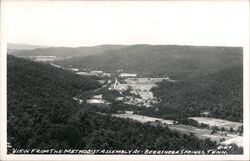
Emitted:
<point x="220" y="94"/>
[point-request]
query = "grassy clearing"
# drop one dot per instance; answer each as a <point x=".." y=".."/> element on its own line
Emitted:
<point x="143" y="119"/>
<point x="200" y="133"/>
<point x="218" y="122"/>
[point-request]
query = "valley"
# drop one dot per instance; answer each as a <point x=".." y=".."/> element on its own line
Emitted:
<point x="137" y="91"/>
<point x="187" y="94"/>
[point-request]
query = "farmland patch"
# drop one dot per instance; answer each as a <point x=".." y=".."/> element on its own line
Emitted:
<point x="218" y="122"/>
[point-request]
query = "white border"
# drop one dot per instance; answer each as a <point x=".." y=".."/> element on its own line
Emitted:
<point x="3" y="82"/>
<point x="3" y="117"/>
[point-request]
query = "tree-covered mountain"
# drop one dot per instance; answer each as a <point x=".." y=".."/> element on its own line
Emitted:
<point x="161" y="60"/>
<point x="220" y="94"/>
<point x="42" y="114"/>
<point x="147" y="60"/>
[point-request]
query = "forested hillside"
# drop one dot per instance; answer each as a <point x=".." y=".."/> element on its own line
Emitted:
<point x="146" y="60"/>
<point x="161" y="60"/>
<point x="221" y="94"/>
<point x="42" y="114"/>
<point x="40" y="96"/>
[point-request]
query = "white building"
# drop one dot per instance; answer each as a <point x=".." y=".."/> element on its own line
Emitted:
<point x="85" y="73"/>
<point x="97" y="72"/>
<point x="95" y="101"/>
<point x="98" y="102"/>
<point x="123" y="75"/>
<point x="73" y="69"/>
<point x="119" y="98"/>
<point x="129" y="112"/>
<point x="99" y="96"/>
<point x="106" y="74"/>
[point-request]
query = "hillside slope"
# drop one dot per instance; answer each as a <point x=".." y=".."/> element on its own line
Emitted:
<point x="220" y="94"/>
<point x="40" y="95"/>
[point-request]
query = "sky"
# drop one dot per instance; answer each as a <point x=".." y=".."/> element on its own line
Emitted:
<point x="89" y="23"/>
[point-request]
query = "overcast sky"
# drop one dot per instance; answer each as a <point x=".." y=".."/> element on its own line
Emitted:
<point x="83" y="23"/>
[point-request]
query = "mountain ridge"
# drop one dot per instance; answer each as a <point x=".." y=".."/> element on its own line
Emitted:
<point x="146" y="60"/>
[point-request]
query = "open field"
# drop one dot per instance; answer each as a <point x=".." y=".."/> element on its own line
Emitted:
<point x="238" y="140"/>
<point x="142" y="119"/>
<point x="205" y="133"/>
<point x="217" y="122"/>
<point x="200" y="133"/>
<point x="142" y="90"/>
<point x="142" y="86"/>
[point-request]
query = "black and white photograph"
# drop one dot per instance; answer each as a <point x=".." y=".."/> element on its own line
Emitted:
<point x="132" y="80"/>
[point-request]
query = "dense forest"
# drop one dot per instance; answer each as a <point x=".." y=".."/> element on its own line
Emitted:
<point x="38" y="94"/>
<point x="93" y="131"/>
<point x="221" y="94"/>
<point x="42" y="114"/>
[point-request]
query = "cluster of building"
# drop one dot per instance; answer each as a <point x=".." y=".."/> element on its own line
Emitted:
<point x="100" y="73"/>
<point x="134" y="101"/>
<point x="94" y="100"/>
<point x="98" y="101"/>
